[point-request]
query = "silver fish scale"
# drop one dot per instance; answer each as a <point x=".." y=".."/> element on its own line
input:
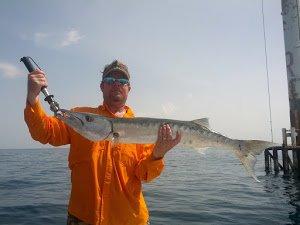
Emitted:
<point x="145" y="130"/>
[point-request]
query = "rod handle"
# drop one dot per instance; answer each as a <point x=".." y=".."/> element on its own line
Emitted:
<point x="27" y="63"/>
<point x="30" y="67"/>
<point x="49" y="98"/>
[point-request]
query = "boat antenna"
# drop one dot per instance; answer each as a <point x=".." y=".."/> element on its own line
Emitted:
<point x="267" y="69"/>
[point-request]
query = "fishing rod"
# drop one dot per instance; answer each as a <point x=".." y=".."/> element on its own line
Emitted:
<point x="54" y="106"/>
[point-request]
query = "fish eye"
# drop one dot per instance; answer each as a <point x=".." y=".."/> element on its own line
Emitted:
<point x="89" y="118"/>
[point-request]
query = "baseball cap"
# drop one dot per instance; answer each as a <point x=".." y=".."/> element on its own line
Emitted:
<point x="116" y="65"/>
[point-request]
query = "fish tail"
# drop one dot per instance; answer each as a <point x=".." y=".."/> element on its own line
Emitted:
<point x="247" y="151"/>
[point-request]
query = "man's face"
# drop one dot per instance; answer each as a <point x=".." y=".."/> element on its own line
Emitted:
<point x="115" y="94"/>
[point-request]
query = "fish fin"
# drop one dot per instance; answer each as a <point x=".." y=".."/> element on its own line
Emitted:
<point x="246" y="151"/>
<point x="204" y="122"/>
<point x="249" y="161"/>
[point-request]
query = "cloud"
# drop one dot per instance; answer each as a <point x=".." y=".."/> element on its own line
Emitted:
<point x="71" y="37"/>
<point x="9" y="70"/>
<point x="54" y="39"/>
<point x="40" y="37"/>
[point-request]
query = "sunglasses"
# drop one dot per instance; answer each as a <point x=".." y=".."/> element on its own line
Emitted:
<point x="111" y="80"/>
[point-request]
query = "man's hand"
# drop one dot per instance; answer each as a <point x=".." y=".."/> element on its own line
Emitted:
<point x="165" y="141"/>
<point x="36" y="80"/>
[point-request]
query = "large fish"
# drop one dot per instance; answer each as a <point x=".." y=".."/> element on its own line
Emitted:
<point x="195" y="134"/>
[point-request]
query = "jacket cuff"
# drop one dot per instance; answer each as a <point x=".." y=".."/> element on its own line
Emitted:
<point x="152" y="163"/>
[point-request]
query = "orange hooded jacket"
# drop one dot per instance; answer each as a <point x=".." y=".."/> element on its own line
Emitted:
<point x="106" y="180"/>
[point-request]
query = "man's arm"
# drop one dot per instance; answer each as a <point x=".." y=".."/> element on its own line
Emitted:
<point x="42" y="128"/>
<point x="152" y="164"/>
<point x="148" y="167"/>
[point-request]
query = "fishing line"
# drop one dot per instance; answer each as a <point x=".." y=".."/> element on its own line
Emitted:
<point x="267" y="69"/>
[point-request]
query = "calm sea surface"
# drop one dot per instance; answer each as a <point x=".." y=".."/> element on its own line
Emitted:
<point x="210" y="188"/>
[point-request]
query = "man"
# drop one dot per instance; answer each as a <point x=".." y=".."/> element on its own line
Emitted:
<point x="106" y="179"/>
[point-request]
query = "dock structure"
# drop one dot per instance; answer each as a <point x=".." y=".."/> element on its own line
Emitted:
<point x="288" y="163"/>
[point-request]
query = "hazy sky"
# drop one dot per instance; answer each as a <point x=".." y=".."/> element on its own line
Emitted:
<point x="188" y="59"/>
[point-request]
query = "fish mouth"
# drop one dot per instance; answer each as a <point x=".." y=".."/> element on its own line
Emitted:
<point x="69" y="117"/>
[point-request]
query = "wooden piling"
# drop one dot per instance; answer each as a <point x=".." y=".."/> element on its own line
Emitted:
<point x="284" y="137"/>
<point x="285" y="161"/>
<point x="267" y="161"/>
<point x="275" y="159"/>
<point x="295" y="154"/>
<point x="295" y="160"/>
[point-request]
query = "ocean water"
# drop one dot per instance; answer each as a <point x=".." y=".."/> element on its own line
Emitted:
<point x="195" y="188"/>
